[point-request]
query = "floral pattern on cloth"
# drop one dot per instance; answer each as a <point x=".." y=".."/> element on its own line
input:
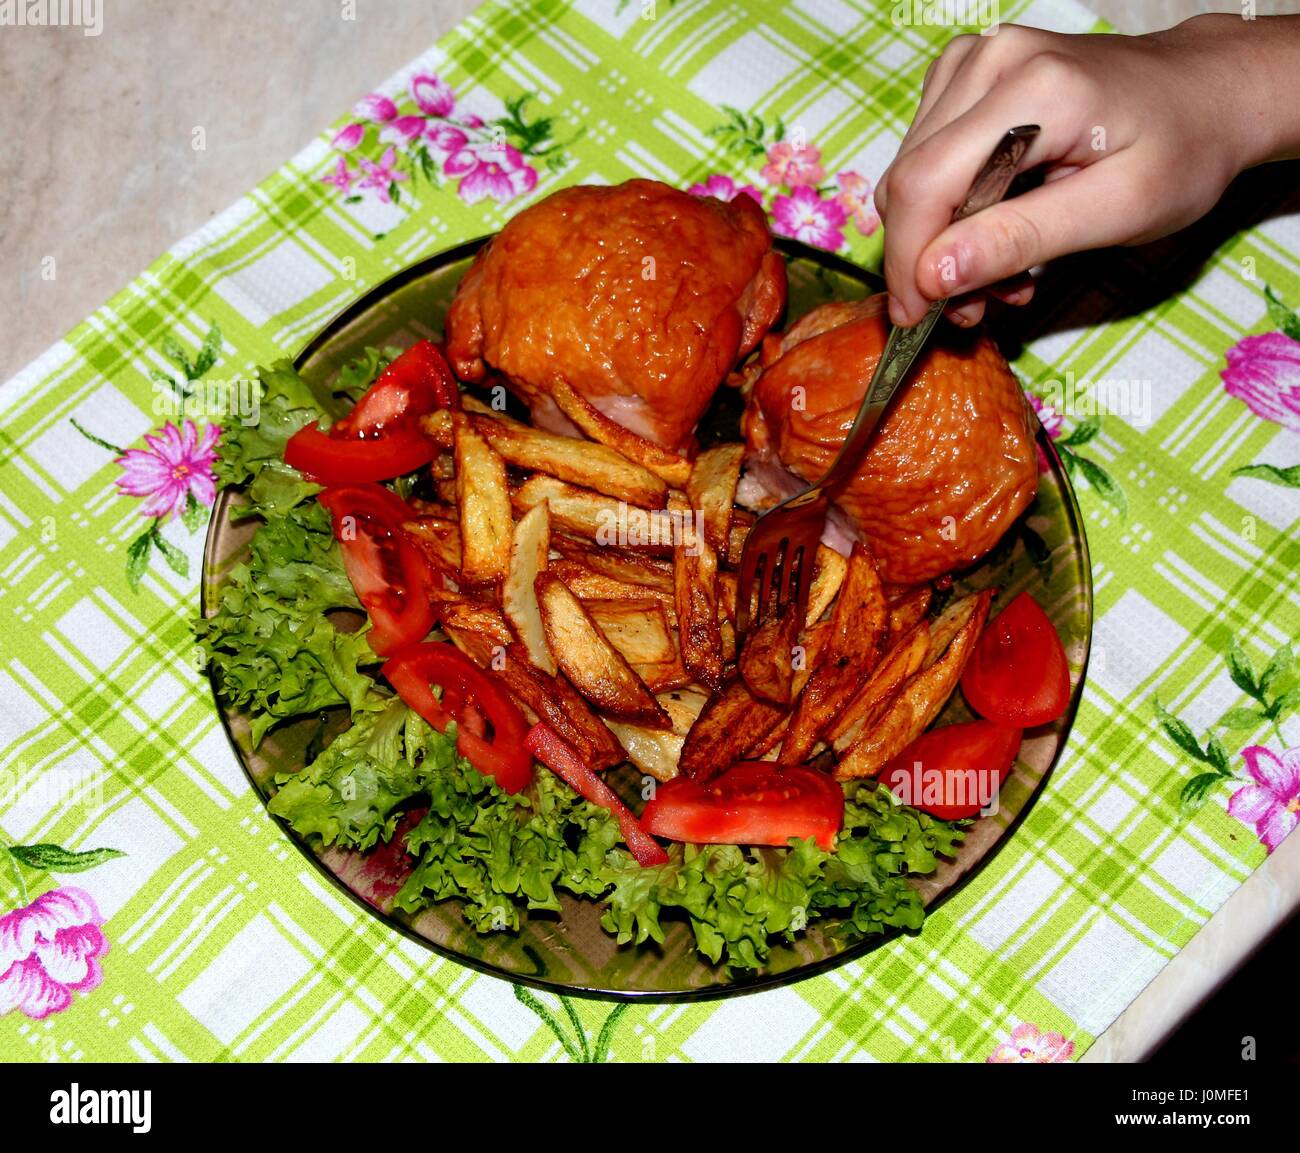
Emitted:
<point x="387" y="146"/>
<point x="1263" y="372"/>
<point x="1029" y="1045"/>
<point x="795" y="193"/>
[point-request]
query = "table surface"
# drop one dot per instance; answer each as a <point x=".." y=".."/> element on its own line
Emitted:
<point x="104" y="171"/>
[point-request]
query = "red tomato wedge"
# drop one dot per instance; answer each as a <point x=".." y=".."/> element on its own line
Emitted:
<point x="379" y="439"/>
<point x="391" y="576"/>
<point x="953" y="771"/>
<point x="473" y="699"/>
<point x="751" y="803"/>
<point x="1018" y="675"/>
<point x="559" y="756"/>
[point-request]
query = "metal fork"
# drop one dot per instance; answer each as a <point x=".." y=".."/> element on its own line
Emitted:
<point x="780" y="548"/>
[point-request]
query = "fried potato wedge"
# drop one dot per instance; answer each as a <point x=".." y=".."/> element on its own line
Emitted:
<point x="712" y="490"/>
<point x="658" y="751"/>
<point x="582" y="462"/>
<point x="769" y="657"/>
<point x="865" y="706"/>
<point x="594" y="516"/>
<point x="728" y="727"/>
<point x="908" y="608"/>
<point x="742" y="520"/>
<point x="530" y="549"/>
<point x="859" y="625"/>
<point x="676" y="470"/>
<point x="695" y="583"/>
<point x="596" y="668"/>
<point x="438" y="538"/>
<point x="476" y="617"/>
<point x="829" y="570"/>
<point x="483" y="498"/>
<point x="918" y="702"/>
<point x="439" y="427"/>
<point x="587" y="584"/>
<point x="637" y="628"/>
<point x="626" y="565"/>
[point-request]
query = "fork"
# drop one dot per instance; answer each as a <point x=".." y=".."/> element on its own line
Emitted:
<point x="780" y="547"/>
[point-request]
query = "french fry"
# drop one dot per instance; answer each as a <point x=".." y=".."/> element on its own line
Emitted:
<point x="742" y="520"/>
<point x="484" y="502"/>
<point x="637" y="628"/>
<point x="731" y="723"/>
<point x="909" y="608"/>
<point x="438" y="539"/>
<point x="477" y="617"/>
<point x="593" y="515"/>
<point x="629" y="566"/>
<point x="829" y="569"/>
<point x="582" y="462"/>
<point x="712" y="490"/>
<point x="587" y="585"/>
<point x="529" y="550"/>
<point x="695" y="571"/>
<point x="676" y="470"/>
<point x="858" y="627"/>
<point x="657" y="751"/>
<point x="874" y="696"/>
<point x="596" y="668"/>
<point x="439" y="427"/>
<point x="768" y="659"/>
<point x="918" y="702"/>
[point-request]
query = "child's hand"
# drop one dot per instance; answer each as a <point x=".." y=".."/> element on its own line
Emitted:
<point x="1140" y="136"/>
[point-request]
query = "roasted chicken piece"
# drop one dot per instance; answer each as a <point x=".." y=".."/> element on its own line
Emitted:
<point x="952" y="464"/>
<point x="639" y="296"/>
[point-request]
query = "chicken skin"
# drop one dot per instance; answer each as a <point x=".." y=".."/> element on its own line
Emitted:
<point x="638" y="296"/>
<point x="952" y="464"/>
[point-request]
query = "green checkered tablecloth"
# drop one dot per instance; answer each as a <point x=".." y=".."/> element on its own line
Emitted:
<point x="197" y="931"/>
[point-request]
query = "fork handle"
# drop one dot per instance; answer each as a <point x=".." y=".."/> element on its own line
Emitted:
<point x="904" y="344"/>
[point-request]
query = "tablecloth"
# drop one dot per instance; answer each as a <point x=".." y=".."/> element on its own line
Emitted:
<point x="153" y="911"/>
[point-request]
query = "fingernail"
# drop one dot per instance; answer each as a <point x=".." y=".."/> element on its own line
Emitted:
<point x="897" y="314"/>
<point x="952" y="271"/>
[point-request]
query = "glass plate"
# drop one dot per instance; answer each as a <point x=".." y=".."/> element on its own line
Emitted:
<point x="570" y="952"/>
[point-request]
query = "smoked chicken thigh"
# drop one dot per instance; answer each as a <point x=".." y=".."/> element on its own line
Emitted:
<point x="952" y="464"/>
<point x="639" y="296"/>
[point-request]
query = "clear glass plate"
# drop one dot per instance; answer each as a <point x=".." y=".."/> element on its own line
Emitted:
<point x="570" y="952"/>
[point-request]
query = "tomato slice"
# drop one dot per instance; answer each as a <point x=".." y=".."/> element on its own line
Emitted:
<point x="559" y="756"/>
<point x="953" y="771"/>
<point x="392" y="577"/>
<point x="1018" y="675"/>
<point x="751" y="803"/>
<point x="380" y="439"/>
<point x="473" y="699"/>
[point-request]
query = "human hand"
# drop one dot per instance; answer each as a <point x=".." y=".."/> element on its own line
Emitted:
<point x="1140" y="136"/>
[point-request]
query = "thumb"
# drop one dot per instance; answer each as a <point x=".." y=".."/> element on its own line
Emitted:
<point x="1090" y="208"/>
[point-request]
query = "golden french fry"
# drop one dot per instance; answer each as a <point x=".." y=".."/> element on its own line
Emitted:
<point x="595" y="516"/>
<point x="731" y="723"/>
<point x="695" y="572"/>
<point x="859" y="625"/>
<point x="628" y="566"/>
<point x="587" y="585"/>
<point x="637" y="628"/>
<point x="742" y="520"/>
<point x="949" y="623"/>
<point x="676" y="470"/>
<point x="476" y="617"/>
<point x="768" y="658"/>
<point x="918" y="702"/>
<point x="874" y="696"/>
<point x="484" y="502"/>
<point x="439" y="540"/>
<point x="596" y="668"/>
<point x="582" y="462"/>
<point x="829" y="569"/>
<point x="439" y="427"/>
<point x="909" y="608"/>
<point x="529" y="550"/>
<point x="657" y="751"/>
<point x="712" y="490"/>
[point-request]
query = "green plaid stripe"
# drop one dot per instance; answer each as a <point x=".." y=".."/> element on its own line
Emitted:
<point x="227" y="945"/>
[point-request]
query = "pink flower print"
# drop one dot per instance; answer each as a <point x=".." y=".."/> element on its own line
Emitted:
<point x="444" y="137"/>
<point x="793" y="167"/>
<point x="432" y="96"/>
<point x="402" y="130"/>
<point x="1052" y="422"/>
<point x="343" y="178"/>
<point x="805" y="216"/>
<point x="176" y="464"/>
<point x="375" y="107"/>
<point x="1272" y="804"/>
<point x="381" y="175"/>
<point x="348" y="137"/>
<point x="469" y="120"/>
<point x="855" y="197"/>
<point x="1030" y="1046"/>
<point x="724" y="188"/>
<point x="1264" y="372"/>
<point x="48" y="951"/>
<point x="500" y="173"/>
